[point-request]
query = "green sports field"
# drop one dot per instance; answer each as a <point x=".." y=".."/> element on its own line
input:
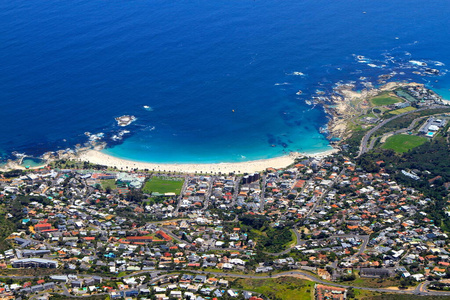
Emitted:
<point x="401" y="110"/>
<point x="385" y="99"/>
<point x="402" y="143"/>
<point x="163" y="185"/>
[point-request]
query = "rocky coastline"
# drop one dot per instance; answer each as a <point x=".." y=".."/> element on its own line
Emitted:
<point x="345" y="103"/>
<point x="342" y="105"/>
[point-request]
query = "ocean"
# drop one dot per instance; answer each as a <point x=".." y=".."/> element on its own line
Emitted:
<point x="209" y="81"/>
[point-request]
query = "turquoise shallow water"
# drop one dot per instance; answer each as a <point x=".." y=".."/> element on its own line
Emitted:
<point x="32" y="162"/>
<point x="71" y="67"/>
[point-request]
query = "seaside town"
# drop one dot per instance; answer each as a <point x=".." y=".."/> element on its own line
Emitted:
<point x="371" y="218"/>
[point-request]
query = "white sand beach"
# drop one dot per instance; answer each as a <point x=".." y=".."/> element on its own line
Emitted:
<point x="97" y="157"/>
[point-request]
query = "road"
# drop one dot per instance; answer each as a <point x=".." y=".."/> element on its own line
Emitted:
<point x="263" y="191"/>
<point x="365" y="239"/>
<point x="180" y="197"/>
<point x="178" y="238"/>
<point x="417" y="291"/>
<point x="286" y="251"/>
<point x="208" y="192"/>
<point x="363" y="147"/>
<point x="319" y="200"/>
<point x="235" y="191"/>
<point x="172" y="235"/>
<point x="309" y="213"/>
<point x="403" y="130"/>
<point x="421" y="289"/>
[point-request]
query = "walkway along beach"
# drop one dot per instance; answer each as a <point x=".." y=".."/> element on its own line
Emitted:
<point x="97" y="157"/>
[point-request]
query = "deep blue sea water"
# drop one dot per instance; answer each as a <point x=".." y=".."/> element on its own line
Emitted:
<point x="70" y="67"/>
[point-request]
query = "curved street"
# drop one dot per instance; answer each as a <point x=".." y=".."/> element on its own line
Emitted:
<point x="420" y="289"/>
<point x="363" y="148"/>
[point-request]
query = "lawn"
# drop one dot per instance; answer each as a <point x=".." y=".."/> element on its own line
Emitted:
<point x="364" y="294"/>
<point x="288" y="288"/>
<point x="109" y="183"/>
<point x="402" y="143"/>
<point x="385" y="99"/>
<point x="294" y="240"/>
<point x="354" y="127"/>
<point x="163" y="185"/>
<point x="369" y="115"/>
<point x="374" y="282"/>
<point x="401" y="110"/>
<point x="123" y="273"/>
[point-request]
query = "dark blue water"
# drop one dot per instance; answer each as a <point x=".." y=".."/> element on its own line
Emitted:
<point x="67" y="67"/>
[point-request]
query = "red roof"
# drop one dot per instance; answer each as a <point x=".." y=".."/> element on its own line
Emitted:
<point x="49" y="230"/>
<point x="163" y="235"/>
<point x="300" y="183"/>
<point x="139" y="238"/>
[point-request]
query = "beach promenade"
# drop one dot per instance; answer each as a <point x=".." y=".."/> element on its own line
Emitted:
<point x="98" y="157"/>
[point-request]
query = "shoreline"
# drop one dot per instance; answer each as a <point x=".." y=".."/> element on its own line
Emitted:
<point x="97" y="157"/>
<point x="340" y="107"/>
<point x="344" y="97"/>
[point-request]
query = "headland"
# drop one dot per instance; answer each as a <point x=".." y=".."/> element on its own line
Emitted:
<point x="345" y="105"/>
